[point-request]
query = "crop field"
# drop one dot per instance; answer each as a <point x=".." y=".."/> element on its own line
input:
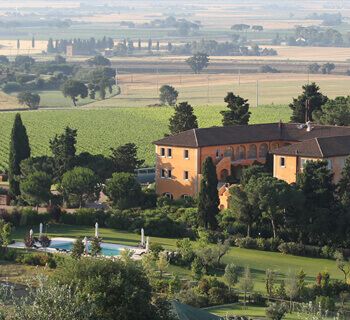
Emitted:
<point x="101" y="129"/>
<point x="143" y="89"/>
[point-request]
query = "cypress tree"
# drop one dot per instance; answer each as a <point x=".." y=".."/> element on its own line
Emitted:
<point x="19" y="150"/>
<point x="183" y="119"/>
<point x="239" y="110"/>
<point x="208" y="199"/>
<point x="344" y="185"/>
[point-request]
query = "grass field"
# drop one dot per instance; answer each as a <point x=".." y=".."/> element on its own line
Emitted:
<point x="101" y="129"/>
<point x="203" y="89"/>
<point x="258" y="261"/>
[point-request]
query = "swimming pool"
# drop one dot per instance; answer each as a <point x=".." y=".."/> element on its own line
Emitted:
<point x="108" y="249"/>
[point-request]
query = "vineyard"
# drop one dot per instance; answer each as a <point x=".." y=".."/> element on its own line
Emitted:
<point x="101" y="129"/>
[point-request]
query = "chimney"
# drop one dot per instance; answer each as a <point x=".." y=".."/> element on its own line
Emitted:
<point x="308" y="126"/>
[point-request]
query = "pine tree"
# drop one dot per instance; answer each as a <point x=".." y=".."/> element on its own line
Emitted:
<point x="344" y="185"/>
<point x="309" y="101"/>
<point x="19" y="150"/>
<point x="208" y="199"/>
<point x="183" y="119"/>
<point x="238" y="113"/>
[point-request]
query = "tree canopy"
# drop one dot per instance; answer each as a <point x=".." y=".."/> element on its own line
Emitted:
<point x="239" y="110"/>
<point x="35" y="188"/>
<point x="73" y="89"/>
<point x="168" y="94"/>
<point x="19" y="151"/>
<point x="183" y="119"/>
<point x="80" y="185"/>
<point x="124" y="190"/>
<point x="198" y="62"/>
<point x="309" y="101"/>
<point x="208" y="198"/>
<point x="32" y="100"/>
<point x="334" y="112"/>
<point x="125" y="158"/>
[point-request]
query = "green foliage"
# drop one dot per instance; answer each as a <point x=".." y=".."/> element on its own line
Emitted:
<point x="198" y="62"/>
<point x="95" y="249"/>
<point x="19" y="150"/>
<point x="124" y="190"/>
<point x="99" y="60"/>
<point x="5" y="233"/>
<point x="80" y="184"/>
<point x="63" y="149"/>
<point x="239" y="110"/>
<point x="334" y="112"/>
<point x="276" y="311"/>
<point x="126" y="284"/>
<point x="78" y="248"/>
<point x="47" y="301"/>
<point x="197" y="270"/>
<point x="183" y="119"/>
<point x="125" y="158"/>
<point x="168" y="94"/>
<point x="231" y="274"/>
<point x="343" y="191"/>
<point x="316" y="183"/>
<point x="73" y="89"/>
<point x="315" y="100"/>
<point x="208" y="199"/>
<point x="246" y="283"/>
<point x="36" y="188"/>
<point x="32" y="100"/>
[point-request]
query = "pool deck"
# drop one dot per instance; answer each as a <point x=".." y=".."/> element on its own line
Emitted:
<point x="137" y="252"/>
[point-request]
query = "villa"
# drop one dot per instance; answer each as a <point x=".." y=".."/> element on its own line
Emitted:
<point x="179" y="157"/>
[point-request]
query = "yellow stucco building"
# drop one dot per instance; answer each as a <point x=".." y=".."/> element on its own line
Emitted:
<point x="179" y="157"/>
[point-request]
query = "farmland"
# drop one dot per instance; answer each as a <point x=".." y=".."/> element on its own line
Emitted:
<point x="100" y="129"/>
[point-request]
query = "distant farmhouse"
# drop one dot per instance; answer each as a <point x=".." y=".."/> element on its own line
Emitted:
<point x="180" y="157"/>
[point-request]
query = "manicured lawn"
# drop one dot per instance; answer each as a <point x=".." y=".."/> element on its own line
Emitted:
<point x="250" y="311"/>
<point x="258" y="261"/>
<point x="108" y="235"/>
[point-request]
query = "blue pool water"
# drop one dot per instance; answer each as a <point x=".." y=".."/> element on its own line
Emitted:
<point x="106" y="251"/>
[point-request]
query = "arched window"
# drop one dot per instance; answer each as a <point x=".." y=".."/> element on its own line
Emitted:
<point x="228" y="152"/>
<point x="169" y="195"/>
<point x="275" y="146"/>
<point x="252" y="153"/>
<point x="263" y="150"/>
<point x="241" y="153"/>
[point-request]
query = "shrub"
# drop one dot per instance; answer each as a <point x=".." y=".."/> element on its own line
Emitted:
<point x="327" y="252"/>
<point x="258" y="299"/>
<point x="325" y="303"/>
<point x="11" y="87"/>
<point x="247" y="243"/>
<point x="38" y="259"/>
<point x="30" y="217"/>
<point x="292" y="248"/>
<point x="89" y="217"/>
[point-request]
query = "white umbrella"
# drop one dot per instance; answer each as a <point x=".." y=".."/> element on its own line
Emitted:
<point x="147" y="244"/>
<point x="86" y="245"/>
<point x="31" y="233"/>
<point x="142" y="237"/>
<point x="96" y="230"/>
<point x="40" y="229"/>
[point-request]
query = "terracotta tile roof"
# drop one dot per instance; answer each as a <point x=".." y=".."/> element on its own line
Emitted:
<point x="322" y="147"/>
<point x="216" y="136"/>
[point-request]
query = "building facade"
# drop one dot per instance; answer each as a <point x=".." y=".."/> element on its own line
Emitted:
<point x="179" y="157"/>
